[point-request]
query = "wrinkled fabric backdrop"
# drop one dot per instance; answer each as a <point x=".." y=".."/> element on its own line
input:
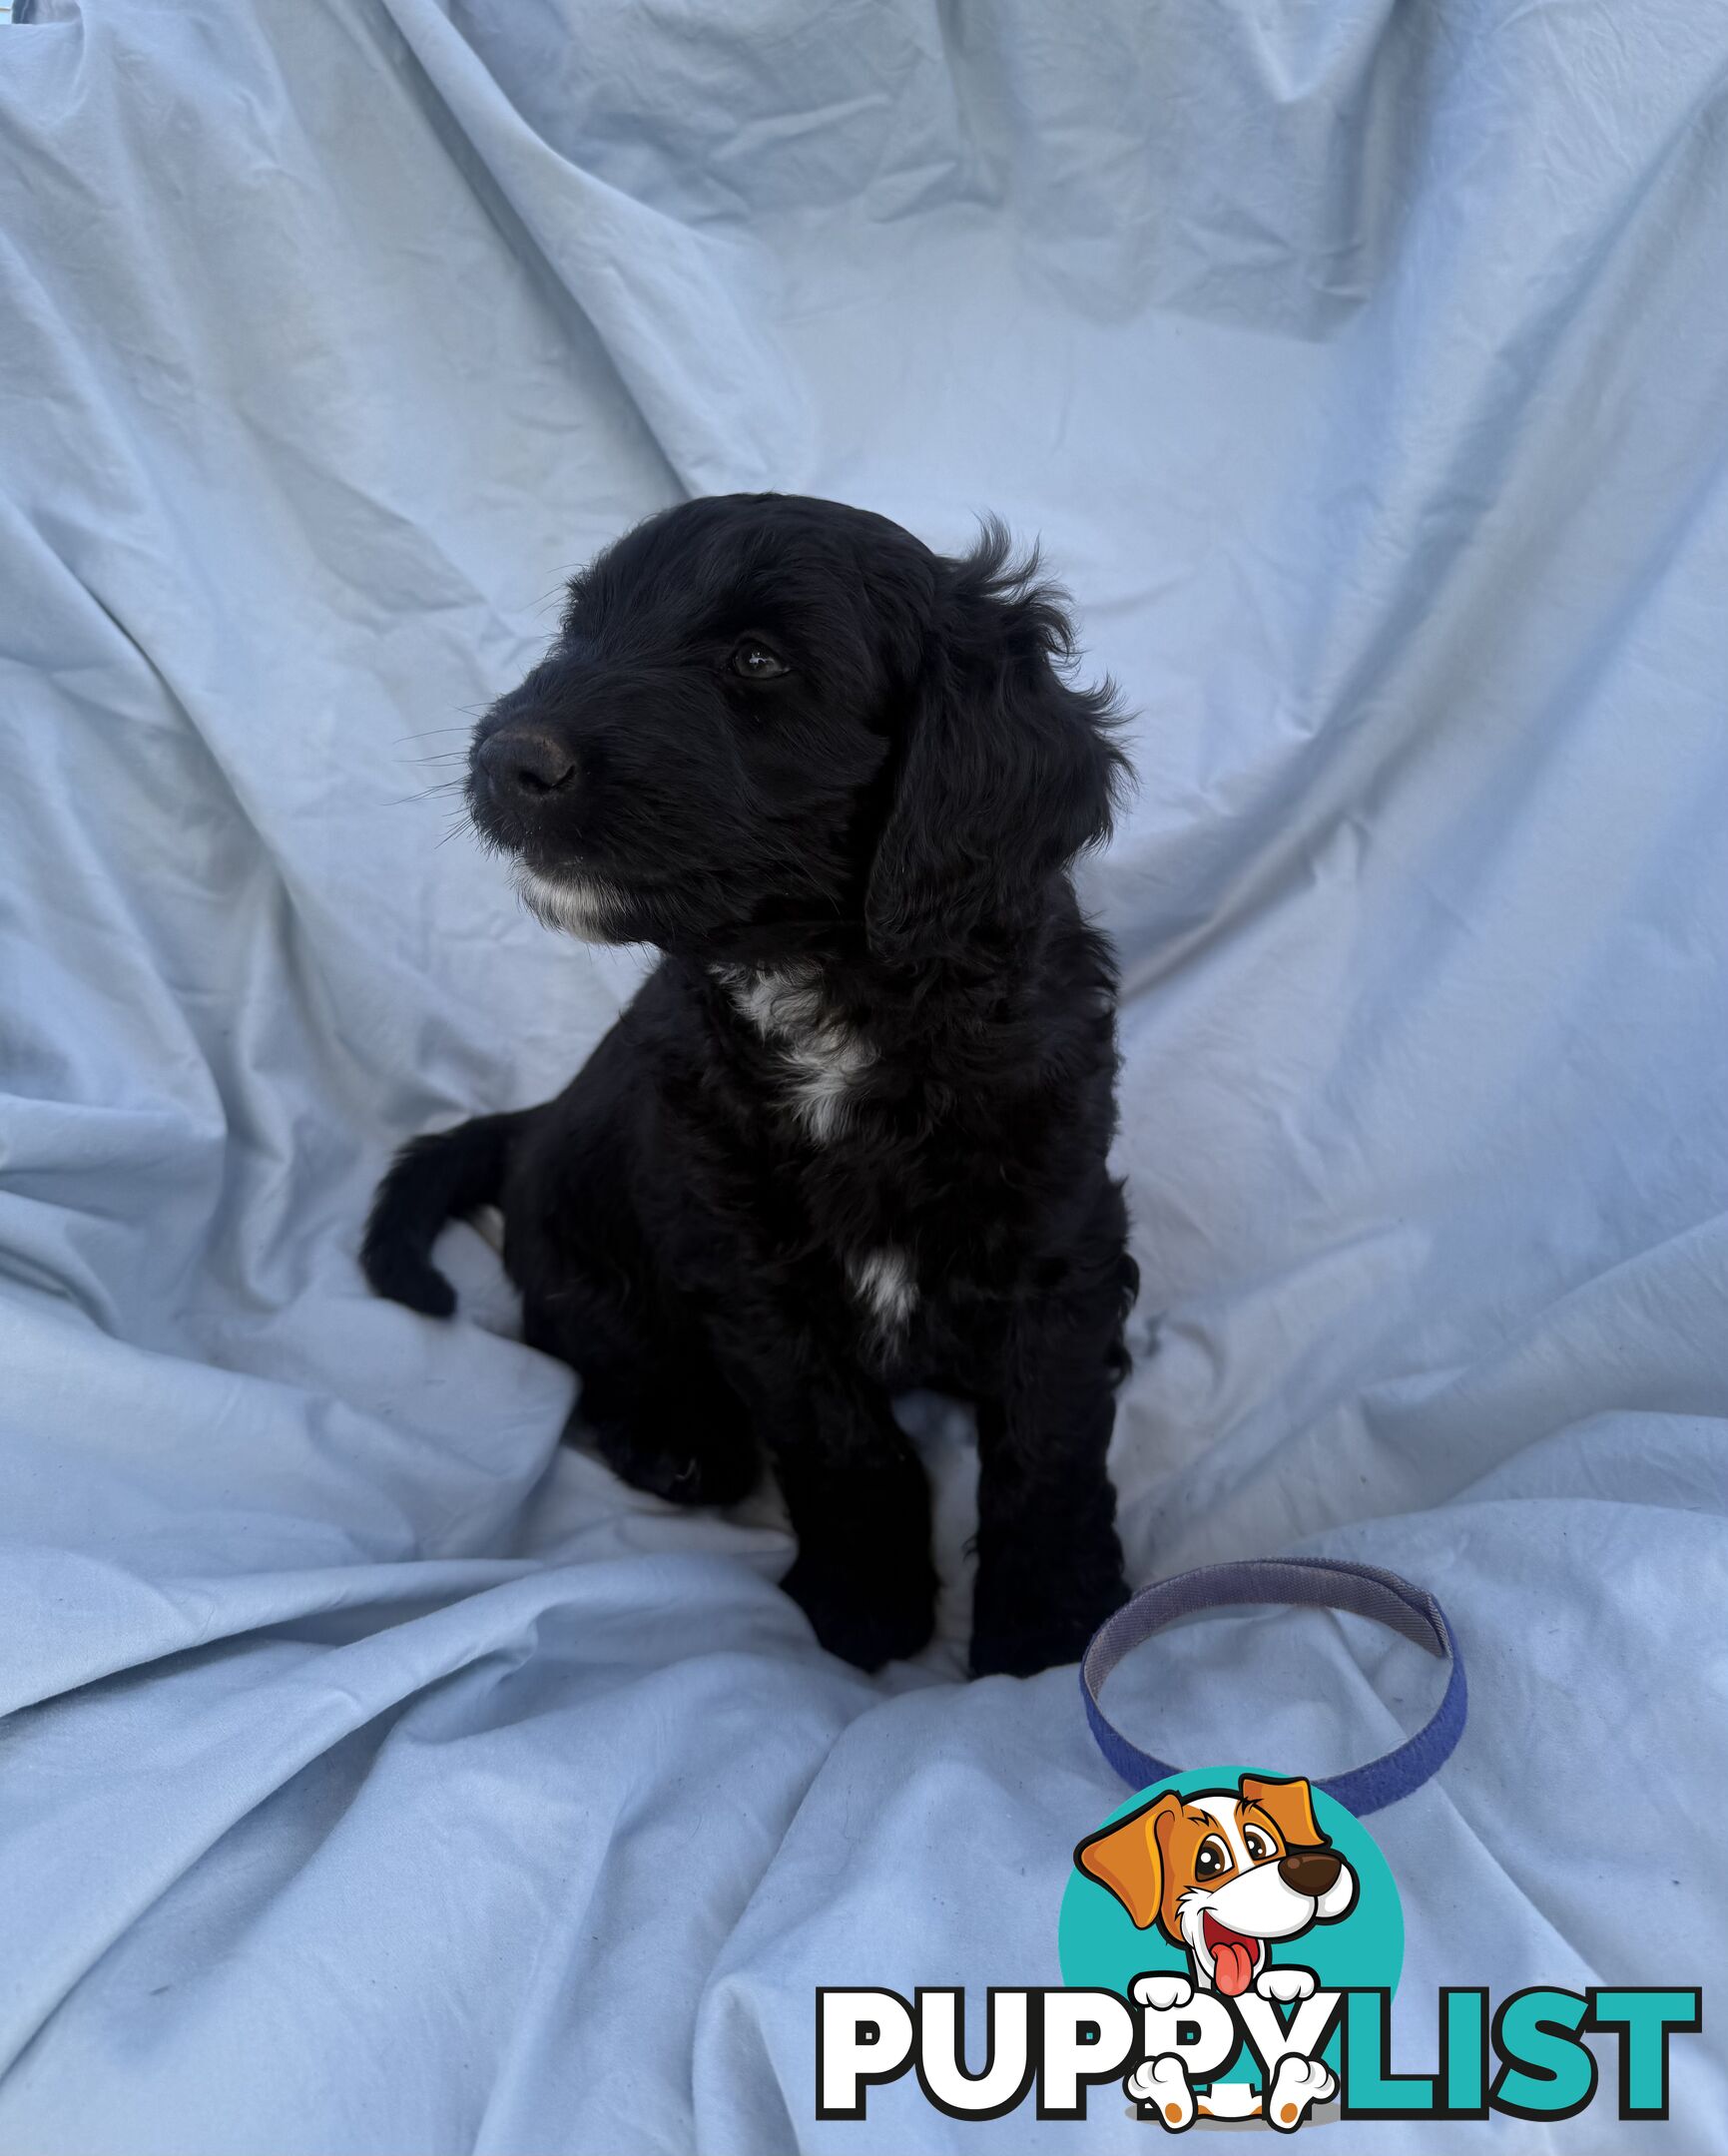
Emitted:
<point x="381" y="1774"/>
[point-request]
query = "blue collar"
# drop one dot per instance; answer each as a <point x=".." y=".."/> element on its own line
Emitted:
<point x="1315" y="1583"/>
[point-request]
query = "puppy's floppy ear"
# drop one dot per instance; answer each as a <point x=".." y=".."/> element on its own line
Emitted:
<point x="1005" y="770"/>
<point x="1128" y="1858"/>
<point x="1289" y="1806"/>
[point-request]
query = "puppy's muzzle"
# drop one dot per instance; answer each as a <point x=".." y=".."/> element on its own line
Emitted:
<point x="523" y="764"/>
<point x="1310" y="1871"/>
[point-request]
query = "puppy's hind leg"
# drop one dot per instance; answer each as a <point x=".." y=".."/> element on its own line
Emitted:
<point x="662" y="1417"/>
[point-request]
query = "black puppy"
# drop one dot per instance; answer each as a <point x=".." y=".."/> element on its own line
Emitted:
<point x="851" y="1135"/>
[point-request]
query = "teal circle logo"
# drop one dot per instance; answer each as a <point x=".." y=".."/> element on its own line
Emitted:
<point x="1220" y="1877"/>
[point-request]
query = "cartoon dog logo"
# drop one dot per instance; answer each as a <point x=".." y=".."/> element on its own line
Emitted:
<point x="1225" y="1873"/>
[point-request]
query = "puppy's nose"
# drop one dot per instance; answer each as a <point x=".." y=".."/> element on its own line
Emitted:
<point x="1309" y="1870"/>
<point x="526" y="760"/>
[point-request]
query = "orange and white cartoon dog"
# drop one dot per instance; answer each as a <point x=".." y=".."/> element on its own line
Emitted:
<point x="1227" y="1873"/>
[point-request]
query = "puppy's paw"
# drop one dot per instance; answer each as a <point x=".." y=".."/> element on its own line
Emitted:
<point x="1023" y="1623"/>
<point x="1163" y="1990"/>
<point x="718" y="1470"/>
<point x="1162" y="2084"/>
<point x="1285" y="1984"/>
<point x="1297" y="2086"/>
<point x="866" y="1621"/>
<point x="1023" y="1650"/>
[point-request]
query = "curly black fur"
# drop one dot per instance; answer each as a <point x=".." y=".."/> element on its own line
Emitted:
<point x="851" y="1135"/>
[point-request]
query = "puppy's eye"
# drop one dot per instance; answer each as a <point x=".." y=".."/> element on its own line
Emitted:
<point x="1258" y="1845"/>
<point x="752" y="660"/>
<point x="1213" y="1858"/>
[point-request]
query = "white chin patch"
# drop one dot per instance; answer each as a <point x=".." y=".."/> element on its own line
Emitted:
<point x="581" y="905"/>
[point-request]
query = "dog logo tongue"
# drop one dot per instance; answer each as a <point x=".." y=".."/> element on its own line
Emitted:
<point x="1232" y="1958"/>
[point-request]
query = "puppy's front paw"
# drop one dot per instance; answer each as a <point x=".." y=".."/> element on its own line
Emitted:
<point x="1297" y="2084"/>
<point x="720" y="1469"/>
<point x="866" y="1621"/>
<point x="1163" y="1990"/>
<point x="1162" y="2084"/>
<point x="1285" y="1984"/>
<point x="1023" y="1622"/>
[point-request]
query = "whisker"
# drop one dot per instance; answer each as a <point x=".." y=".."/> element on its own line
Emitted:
<point x="444" y="785"/>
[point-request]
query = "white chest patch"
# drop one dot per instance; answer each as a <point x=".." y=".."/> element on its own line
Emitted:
<point x="885" y="1287"/>
<point x="824" y="1058"/>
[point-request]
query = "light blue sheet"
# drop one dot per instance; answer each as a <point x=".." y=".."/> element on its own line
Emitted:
<point x="382" y="1776"/>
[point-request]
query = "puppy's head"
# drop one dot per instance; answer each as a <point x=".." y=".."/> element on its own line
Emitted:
<point x="1224" y="1871"/>
<point x="771" y="725"/>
